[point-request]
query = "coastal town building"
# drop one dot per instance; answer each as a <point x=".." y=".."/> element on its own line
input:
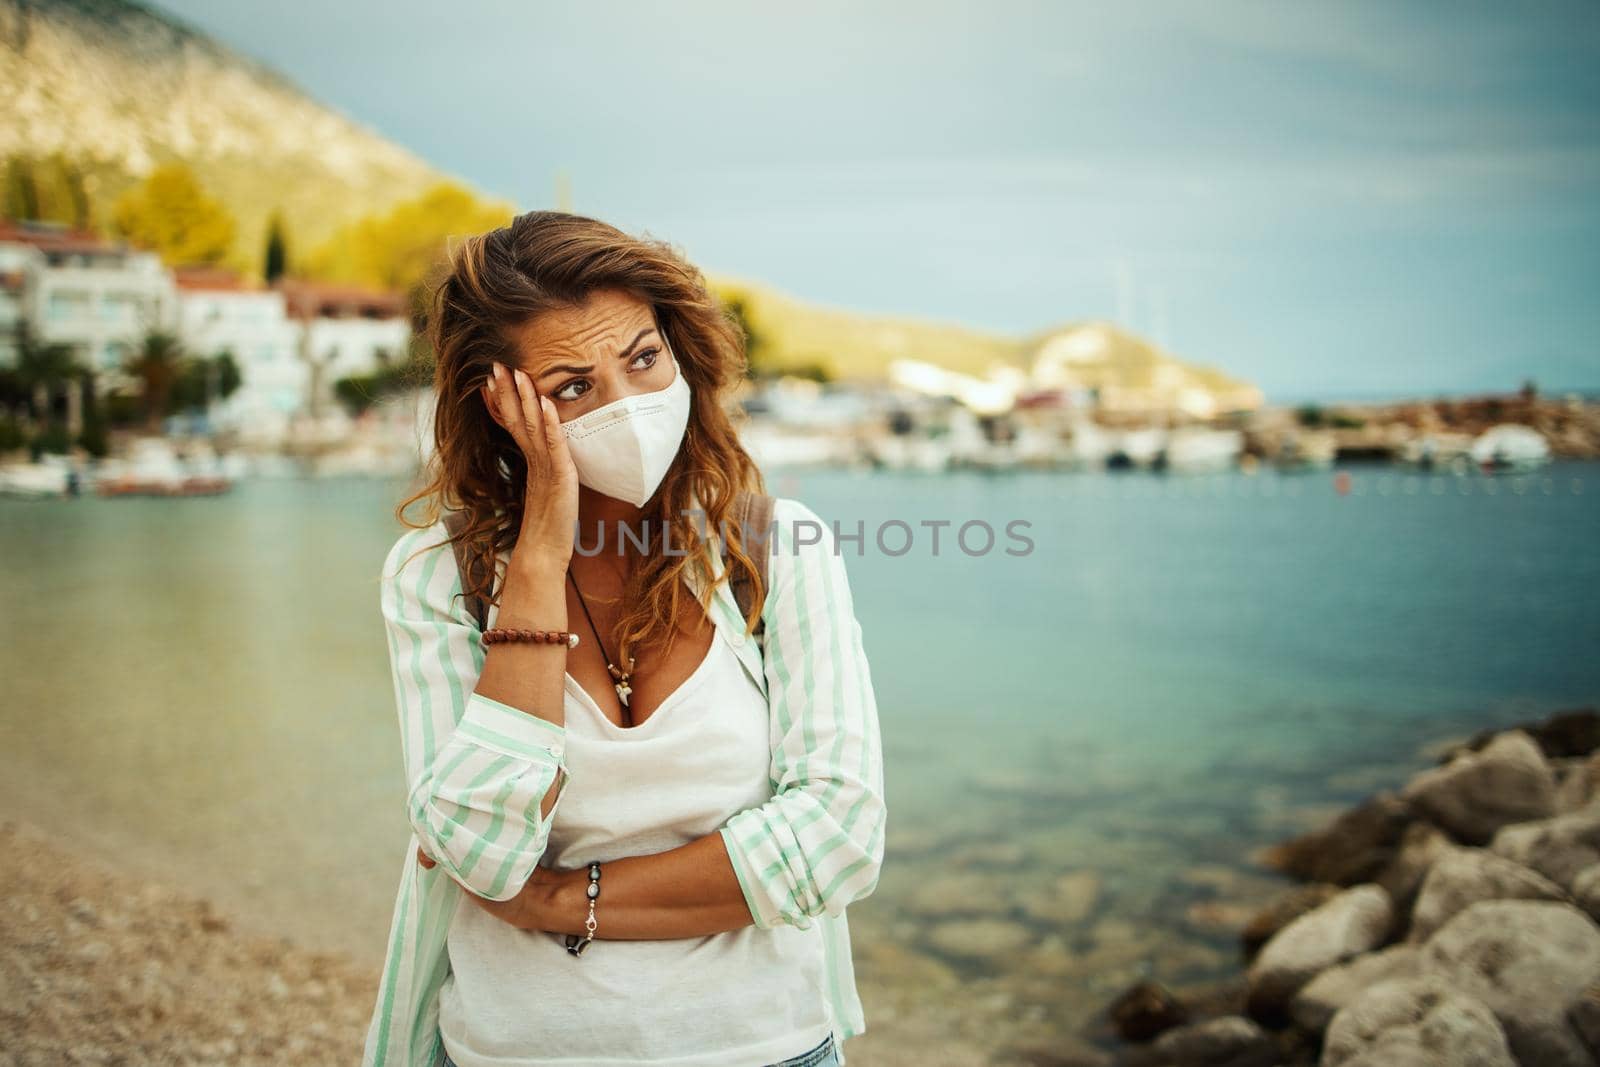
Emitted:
<point x="98" y="297"/>
<point x="346" y="330"/>
<point x="220" y="313"/>
<point x="290" y="341"/>
<point x="1128" y="376"/>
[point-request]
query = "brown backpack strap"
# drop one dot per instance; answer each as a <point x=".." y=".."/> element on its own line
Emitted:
<point x="477" y="605"/>
<point x="751" y="513"/>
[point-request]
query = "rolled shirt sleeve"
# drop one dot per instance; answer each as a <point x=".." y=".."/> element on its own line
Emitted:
<point x="818" y="843"/>
<point x="477" y="769"/>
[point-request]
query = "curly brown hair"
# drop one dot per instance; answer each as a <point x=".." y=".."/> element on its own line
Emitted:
<point x="494" y="283"/>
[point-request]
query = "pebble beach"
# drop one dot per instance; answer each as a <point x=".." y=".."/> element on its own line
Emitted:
<point x="1449" y="920"/>
<point x="100" y="968"/>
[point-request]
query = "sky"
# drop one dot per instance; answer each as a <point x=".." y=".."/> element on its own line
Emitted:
<point x="1333" y="200"/>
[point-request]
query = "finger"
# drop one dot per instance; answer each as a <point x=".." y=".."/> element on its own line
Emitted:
<point x="554" y="439"/>
<point x="422" y="858"/>
<point x="507" y="404"/>
<point x="534" y="412"/>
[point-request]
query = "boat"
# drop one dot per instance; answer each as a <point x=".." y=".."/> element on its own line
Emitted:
<point x="154" y="468"/>
<point x="1439" y="451"/>
<point x="1510" y="447"/>
<point x="1087" y="445"/>
<point x="1307" y="450"/>
<point x="1137" y="448"/>
<point x="1197" y="449"/>
<point x="774" y="447"/>
<point x="51" y="477"/>
<point x="913" y="451"/>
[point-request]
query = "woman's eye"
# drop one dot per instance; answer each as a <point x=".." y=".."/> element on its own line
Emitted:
<point x="579" y="387"/>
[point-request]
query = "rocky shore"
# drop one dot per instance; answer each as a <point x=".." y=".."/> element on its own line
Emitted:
<point x="1449" y="922"/>
<point x="99" y="968"/>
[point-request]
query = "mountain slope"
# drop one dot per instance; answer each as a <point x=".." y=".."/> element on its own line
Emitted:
<point x="793" y="334"/>
<point x="121" y="89"/>
<point x="1094" y="355"/>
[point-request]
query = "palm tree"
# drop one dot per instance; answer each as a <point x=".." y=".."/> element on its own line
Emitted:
<point x="44" y="369"/>
<point x="158" y="365"/>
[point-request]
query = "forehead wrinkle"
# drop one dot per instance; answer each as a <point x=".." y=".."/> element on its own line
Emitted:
<point x="609" y="331"/>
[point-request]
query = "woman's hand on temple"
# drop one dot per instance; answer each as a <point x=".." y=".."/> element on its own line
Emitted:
<point x="550" y="505"/>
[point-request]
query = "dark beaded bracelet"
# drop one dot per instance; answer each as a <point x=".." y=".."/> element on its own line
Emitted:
<point x="499" y="636"/>
<point x="576" y="943"/>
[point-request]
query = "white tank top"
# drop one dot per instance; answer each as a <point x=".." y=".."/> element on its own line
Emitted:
<point x="517" y="998"/>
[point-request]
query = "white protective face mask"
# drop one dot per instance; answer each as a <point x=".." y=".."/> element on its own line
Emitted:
<point x="623" y="449"/>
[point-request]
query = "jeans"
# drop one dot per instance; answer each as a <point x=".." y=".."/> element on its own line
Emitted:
<point x="824" y="1055"/>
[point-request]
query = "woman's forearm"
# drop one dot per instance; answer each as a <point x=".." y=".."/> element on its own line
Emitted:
<point x="530" y="676"/>
<point x="688" y="891"/>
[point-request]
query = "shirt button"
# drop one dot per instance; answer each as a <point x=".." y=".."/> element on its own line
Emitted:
<point x="737" y="639"/>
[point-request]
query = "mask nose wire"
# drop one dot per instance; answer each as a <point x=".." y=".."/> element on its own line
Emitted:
<point x="618" y="407"/>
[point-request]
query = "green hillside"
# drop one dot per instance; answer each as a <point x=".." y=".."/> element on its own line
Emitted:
<point x="113" y="90"/>
<point x="791" y="334"/>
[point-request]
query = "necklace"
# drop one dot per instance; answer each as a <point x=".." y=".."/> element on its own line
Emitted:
<point x="620" y="680"/>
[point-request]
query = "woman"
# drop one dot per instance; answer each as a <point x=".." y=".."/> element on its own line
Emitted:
<point x="722" y="792"/>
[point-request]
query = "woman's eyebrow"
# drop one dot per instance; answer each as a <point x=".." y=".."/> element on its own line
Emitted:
<point x="574" y="368"/>
<point x="565" y="368"/>
<point x="635" y="342"/>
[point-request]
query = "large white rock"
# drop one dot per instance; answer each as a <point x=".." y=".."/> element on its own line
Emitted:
<point x="1557" y="848"/>
<point x="1322" y="997"/>
<point x="1229" y="1039"/>
<point x="1577" y="782"/>
<point x="1586" y="890"/>
<point x="1351" y="923"/>
<point x="1529" y="961"/>
<point x="1415" y="1022"/>
<point x="1463" y="876"/>
<point x="1477" y="793"/>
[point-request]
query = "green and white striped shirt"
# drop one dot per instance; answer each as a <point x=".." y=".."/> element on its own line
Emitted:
<point x="477" y="770"/>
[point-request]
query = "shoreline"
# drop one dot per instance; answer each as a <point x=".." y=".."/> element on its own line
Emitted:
<point x="1452" y="919"/>
<point x="105" y="963"/>
<point x="109" y="962"/>
<point x="100" y="967"/>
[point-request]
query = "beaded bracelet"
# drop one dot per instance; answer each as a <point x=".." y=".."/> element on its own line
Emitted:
<point x="554" y="637"/>
<point x="576" y="943"/>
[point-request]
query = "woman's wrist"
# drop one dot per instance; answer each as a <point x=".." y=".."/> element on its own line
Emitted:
<point x="559" y="902"/>
<point x="540" y="565"/>
<point x="534" y="596"/>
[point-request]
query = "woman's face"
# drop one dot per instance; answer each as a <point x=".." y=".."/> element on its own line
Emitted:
<point x="600" y="351"/>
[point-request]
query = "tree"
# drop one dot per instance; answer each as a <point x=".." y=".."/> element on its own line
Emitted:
<point x="42" y="370"/>
<point x="172" y="215"/>
<point x="159" y="365"/>
<point x="50" y="189"/>
<point x="755" y="346"/>
<point x="277" y="263"/>
<point x="360" y="392"/>
<point x="202" y="382"/>
<point x="395" y="252"/>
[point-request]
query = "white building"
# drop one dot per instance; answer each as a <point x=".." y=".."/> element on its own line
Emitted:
<point x="17" y="264"/>
<point x="219" y="312"/>
<point x="75" y="289"/>
<point x="289" y="342"/>
<point x="349" y="330"/>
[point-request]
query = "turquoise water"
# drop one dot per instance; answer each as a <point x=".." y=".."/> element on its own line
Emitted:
<point x="1181" y="669"/>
